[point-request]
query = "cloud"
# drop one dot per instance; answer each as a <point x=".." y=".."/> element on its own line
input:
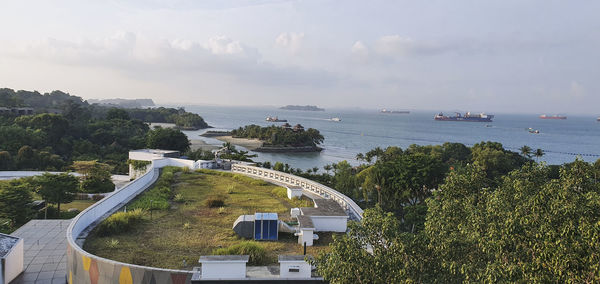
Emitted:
<point x="359" y="48"/>
<point x="145" y="58"/>
<point x="290" y="41"/>
<point x="398" y="46"/>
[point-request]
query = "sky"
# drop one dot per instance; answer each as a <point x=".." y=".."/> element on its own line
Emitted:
<point x="521" y="56"/>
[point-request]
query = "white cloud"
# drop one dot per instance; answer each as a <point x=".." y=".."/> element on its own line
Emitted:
<point x="360" y="48"/>
<point x="399" y="46"/>
<point x="290" y="41"/>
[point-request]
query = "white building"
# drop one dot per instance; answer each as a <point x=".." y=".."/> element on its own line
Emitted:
<point x="326" y="216"/>
<point x="11" y="258"/>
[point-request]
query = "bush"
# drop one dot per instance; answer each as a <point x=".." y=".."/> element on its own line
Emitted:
<point x="257" y="253"/>
<point x="97" y="197"/>
<point x="280" y="192"/>
<point x="215" y="201"/>
<point x="120" y="222"/>
<point x="179" y="198"/>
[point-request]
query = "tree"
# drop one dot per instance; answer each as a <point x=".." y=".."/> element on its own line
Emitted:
<point x="58" y="188"/>
<point x="117" y="113"/>
<point x="96" y="176"/>
<point x="278" y="166"/>
<point x="167" y="139"/>
<point x="15" y="197"/>
<point x="525" y="151"/>
<point x="344" y="179"/>
<point x="6" y="161"/>
<point x="538" y="154"/>
<point x="528" y="229"/>
<point x="327" y="168"/>
<point x="394" y="257"/>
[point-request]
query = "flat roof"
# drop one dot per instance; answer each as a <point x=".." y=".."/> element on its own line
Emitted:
<point x="304" y="222"/>
<point x="292" y="257"/>
<point x="224" y="258"/>
<point x="155" y="151"/>
<point x="6" y="244"/>
<point x="324" y="207"/>
<point x="265" y="216"/>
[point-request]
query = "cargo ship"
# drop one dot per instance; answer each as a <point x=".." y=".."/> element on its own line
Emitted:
<point x="395" y="111"/>
<point x="469" y="117"/>
<point x="275" y="119"/>
<point x="556" y="116"/>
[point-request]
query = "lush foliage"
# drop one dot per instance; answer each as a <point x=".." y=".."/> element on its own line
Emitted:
<point x="96" y="176"/>
<point x="15" y="197"/>
<point x="79" y="131"/>
<point x="57" y="189"/>
<point x="278" y="136"/>
<point x="167" y="139"/>
<point x="524" y="227"/>
<point x="180" y="117"/>
<point x="257" y="253"/>
<point x="157" y="197"/>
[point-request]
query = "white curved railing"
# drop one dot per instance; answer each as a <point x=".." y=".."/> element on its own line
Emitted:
<point x="79" y="262"/>
<point x="312" y="186"/>
<point x="102" y="209"/>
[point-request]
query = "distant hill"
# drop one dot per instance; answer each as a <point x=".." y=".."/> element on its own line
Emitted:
<point x="124" y="103"/>
<point x="306" y="107"/>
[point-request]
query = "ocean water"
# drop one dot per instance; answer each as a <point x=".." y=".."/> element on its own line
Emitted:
<point x="362" y="130"/>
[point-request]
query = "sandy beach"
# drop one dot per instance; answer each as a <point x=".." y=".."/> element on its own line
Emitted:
<point x="200" y="144"/>
<point x="249" y="144"/>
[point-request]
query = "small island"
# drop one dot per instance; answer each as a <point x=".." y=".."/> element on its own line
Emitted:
<point x="275" y="139"/>
<point x="306" y="108"/>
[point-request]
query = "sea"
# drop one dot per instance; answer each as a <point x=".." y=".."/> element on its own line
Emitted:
<point x="361" y="130"/>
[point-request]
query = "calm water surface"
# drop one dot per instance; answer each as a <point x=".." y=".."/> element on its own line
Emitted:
<point x="361" y="130"/>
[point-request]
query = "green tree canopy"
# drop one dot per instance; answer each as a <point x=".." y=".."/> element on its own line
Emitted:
<point x="57" y="189"/>
<point x="167" y="139"/>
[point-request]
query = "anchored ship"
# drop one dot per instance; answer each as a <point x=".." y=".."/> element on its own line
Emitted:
<point x="275" y="119"/>
<point x="481" y="117"/>
<point x="556" y="116"/>
<point x="395" y="111"/>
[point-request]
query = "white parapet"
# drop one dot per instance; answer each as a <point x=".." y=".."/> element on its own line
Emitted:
<point x="11" y="258"/>
<point x="224" y="266"/>
<point x="293" y="266"/>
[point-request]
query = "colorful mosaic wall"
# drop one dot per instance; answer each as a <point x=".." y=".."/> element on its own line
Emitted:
<point x="82" y="269"/>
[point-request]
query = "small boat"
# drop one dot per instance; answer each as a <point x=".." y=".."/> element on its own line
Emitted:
<point x="534" y="131"/>
<point x="275" y="119"/>
<point x="395" y="111"/>
<point x="598" y="119"/>
<point x="337" y="119"/>
<point x="556" y="116"/>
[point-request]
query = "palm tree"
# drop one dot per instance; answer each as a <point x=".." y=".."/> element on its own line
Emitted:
<point x="525" y="151"/>
<point x="538" y="154"/>
<point x="360" y="157"/>
<point x="315" y="170"/>
<point x="327" y="168"/>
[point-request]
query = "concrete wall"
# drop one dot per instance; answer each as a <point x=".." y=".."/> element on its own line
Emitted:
<point x="348" y="204"/>
<point x="303" y="266"/>
<point x="329" y="223"/>
<point x="224" y="270"/>
<point x="12" y="263"/>
<point x="83" y="267"/>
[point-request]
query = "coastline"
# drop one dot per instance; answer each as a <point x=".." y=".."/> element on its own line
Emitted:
<point x="201" y="144"/>
<point x="250" y="144"/>
<point x="258" y="146"/>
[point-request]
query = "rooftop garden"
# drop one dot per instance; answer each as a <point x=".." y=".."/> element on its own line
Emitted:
<point x="187" y="214"/>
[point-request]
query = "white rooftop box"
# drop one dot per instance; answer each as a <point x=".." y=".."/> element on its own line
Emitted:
<point x="11" y="258"/>
<point x="293" y="266"/>
<point x="294" y="191"/>
<point x="224" y="266"/>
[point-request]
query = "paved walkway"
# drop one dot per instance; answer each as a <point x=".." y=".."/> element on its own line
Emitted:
<point x="45" y="259"/>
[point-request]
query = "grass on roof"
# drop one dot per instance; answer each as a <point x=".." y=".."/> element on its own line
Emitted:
<point x="187" y="230"/>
